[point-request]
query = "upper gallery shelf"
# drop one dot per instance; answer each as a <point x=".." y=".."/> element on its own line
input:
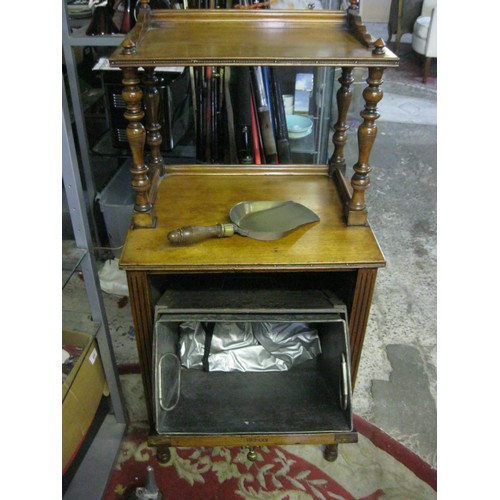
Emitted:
<point x="248" y="38"/>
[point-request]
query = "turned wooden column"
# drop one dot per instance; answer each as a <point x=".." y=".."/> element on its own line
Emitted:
<point x="136" y="135"/>
<point x="344" y="98"/>
<point x="153" y="129"/>
<point x="356" y="212"/>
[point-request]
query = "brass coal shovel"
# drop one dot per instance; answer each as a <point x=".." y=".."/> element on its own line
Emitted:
<point x="260" y="220"/>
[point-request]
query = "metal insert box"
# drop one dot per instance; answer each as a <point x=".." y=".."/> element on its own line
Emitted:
<point x="312" y="397"/>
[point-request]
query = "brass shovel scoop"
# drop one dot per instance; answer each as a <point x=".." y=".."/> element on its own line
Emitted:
<point x="260" y="220"/>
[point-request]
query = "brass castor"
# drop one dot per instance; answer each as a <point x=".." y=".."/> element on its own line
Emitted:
<point x="252" y="456"/>
<point x="331" y="452"/>
<point x="163" y="454"/>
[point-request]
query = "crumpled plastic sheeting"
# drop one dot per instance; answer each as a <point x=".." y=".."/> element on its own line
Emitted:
<point x="248" y="346"/>
<point x="112" y="279"/>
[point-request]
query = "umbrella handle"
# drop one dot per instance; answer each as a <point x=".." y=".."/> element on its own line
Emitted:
<point x="193" y="234"/>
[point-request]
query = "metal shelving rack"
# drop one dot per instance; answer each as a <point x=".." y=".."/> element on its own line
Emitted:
<point x="93" y="473"/>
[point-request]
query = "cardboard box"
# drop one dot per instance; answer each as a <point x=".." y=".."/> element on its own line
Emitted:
<point x="81" y="394"/>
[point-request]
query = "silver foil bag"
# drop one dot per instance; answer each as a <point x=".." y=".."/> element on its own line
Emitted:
<point x="248" y="346"/>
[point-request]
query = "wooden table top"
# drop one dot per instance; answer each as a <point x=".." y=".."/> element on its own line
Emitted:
<point x="204" y="197"/>
<point x="258" y="37"/>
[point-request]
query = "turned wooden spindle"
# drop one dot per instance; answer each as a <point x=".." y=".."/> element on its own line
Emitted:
<point x="153" y="128"/>
<point x="331" y="452"/>
<point x="356" y="212"/>
<point x="144" y="4"/>
<point x="378" y="47"/>
<point x="136" y="136"/>
<point x="344" y="98"/>
<point x="163" y="454"/>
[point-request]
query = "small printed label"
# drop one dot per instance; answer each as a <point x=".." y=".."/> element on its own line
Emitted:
<point x="251" y="439"/>
<point x="93" y="356"/>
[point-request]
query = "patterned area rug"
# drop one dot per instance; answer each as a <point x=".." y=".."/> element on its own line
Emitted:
<point x="376" y="467"/>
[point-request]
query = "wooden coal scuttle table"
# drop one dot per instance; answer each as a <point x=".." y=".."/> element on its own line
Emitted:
<point x="338" y="254"/>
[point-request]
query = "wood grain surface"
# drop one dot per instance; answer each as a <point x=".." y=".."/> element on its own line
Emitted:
<point x="205" y="199"/>
<point x="235" y="37"/>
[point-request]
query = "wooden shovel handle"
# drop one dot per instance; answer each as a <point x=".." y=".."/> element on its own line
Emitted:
<point x="193" y="234"/>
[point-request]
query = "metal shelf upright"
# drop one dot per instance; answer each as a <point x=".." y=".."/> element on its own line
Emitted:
<point x="93" y="473"/>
